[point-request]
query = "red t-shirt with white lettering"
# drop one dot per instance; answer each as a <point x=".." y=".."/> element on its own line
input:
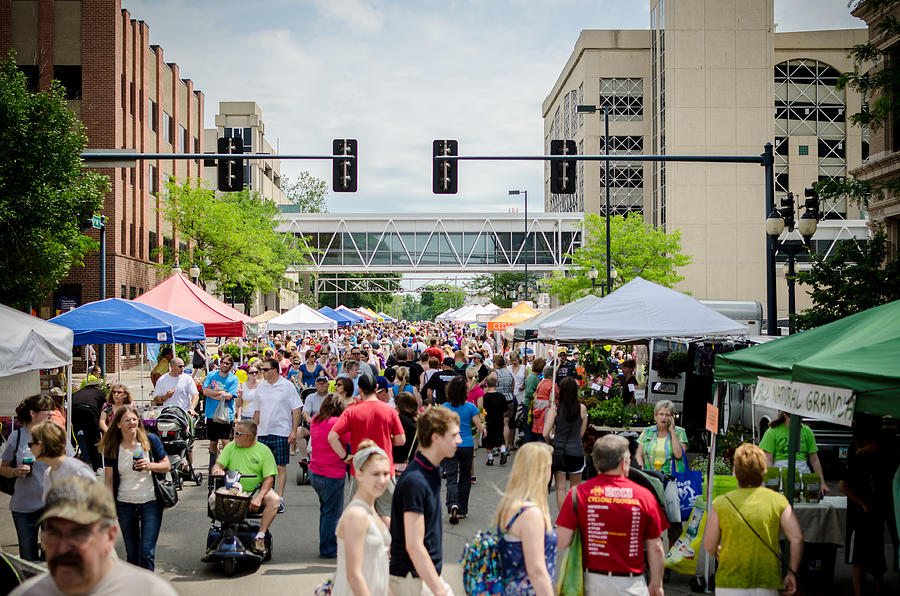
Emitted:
<point x="615" y="517"/>
<point x="371" y="419"/>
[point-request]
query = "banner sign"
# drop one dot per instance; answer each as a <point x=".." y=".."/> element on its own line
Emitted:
<point x="831" y="404"/>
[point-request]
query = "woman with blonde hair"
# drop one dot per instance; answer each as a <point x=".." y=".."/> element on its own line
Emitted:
<point x="48" y="444"/>
<point x="130" y="456"/>
<point x="119" y="395"/>
<point x="528" y="545"/>
<point x="362" y="538"/>
<point x="743" y="530"/>
<point x="401" y="384"/>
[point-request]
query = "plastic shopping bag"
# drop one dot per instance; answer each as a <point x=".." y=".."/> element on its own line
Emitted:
<point x="682" y="556"/>
<point x="673" y="506"/>
<point x="689" y="486"/>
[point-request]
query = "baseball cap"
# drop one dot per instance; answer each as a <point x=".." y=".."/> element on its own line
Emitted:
<point x="79" y="500"/>
<point x="448" y="361"/>
<point x="381" y="383"/>
<point x="321" y="378"/>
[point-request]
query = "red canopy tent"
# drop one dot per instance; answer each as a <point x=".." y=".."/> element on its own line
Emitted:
<point x="179" y="296"/>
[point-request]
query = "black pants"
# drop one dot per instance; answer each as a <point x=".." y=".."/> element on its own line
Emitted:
<point x="459" y="478"/>
<point x="86" y="425"/>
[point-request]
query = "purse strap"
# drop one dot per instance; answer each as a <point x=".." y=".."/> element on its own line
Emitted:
<point x="761" y="539"/>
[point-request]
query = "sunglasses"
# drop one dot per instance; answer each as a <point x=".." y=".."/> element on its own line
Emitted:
<point x="239" y="433"/>
<point x="179" y="366"/>
<point x="117" y="392"/>
<point x="266" y="368"/>
<point x="32" y="443"/>
<point x="252" y="372"/>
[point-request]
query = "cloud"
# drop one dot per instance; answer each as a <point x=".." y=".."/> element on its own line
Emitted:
<point x="396" y="75"/>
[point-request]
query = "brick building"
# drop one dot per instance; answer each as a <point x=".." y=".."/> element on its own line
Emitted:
<point x="128" y="96"/>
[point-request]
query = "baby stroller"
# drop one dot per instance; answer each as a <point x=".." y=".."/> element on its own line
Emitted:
<point x="176" y="430"/>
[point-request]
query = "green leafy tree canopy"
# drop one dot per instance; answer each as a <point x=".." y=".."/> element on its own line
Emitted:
<point x="307" y="191"/>
<point x="234" y="237"/>
<point x="636" y="250"/>
<point x="44" y="191"/>
<point x="850" y="280"/>
<point x="499" y="285"/>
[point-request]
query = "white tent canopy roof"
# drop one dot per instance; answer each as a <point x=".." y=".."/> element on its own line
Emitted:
<point x="300" y="318"/>
<point x="29" y="343"/>
<point x="638" y="311"/>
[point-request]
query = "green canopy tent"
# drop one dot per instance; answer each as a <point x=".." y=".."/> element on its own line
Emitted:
<point x="859" y="352"/>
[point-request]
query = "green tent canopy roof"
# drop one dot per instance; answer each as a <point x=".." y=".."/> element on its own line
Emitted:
<point x="860" y="352"/>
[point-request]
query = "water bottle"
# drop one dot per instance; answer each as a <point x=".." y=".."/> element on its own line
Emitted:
<point x="28" y="460"/>
<point x="138" y="456"/>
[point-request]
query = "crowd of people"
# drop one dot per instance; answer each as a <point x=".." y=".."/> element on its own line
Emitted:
<point x="383" y="420"/>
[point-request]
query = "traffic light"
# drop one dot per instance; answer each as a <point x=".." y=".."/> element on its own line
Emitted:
<point x="444" y="171"/>
<point x="231" y="171"/>
<point x="343" y="171"/>
<point x="812" y="202"/>
<point x="562" y="171"/>
<point x="787" y="211"/>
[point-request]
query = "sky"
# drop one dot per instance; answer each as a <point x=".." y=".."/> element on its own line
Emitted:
<point x="398" y="74"/>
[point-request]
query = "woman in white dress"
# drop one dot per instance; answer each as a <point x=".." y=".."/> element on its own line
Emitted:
<point x="362" y="538"/>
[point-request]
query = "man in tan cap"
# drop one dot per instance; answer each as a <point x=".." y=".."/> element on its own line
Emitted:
<point x="79" y="531"/>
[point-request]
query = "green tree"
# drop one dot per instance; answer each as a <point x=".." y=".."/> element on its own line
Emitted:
<point x="307" y="191"/>
<point x="876" y="77"/>
<point x="234" y="239"/>
<point x="850" y="280"/>
<point x="636" y="250"/>
<point x="44" y="191"/>
<point x="436" y="299"/>
<point x="499" y="285"/>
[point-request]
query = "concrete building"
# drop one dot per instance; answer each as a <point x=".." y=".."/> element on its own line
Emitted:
<point x="882" y="168"/>
<point x="244" y="119"/>
<point x="710" y="78"/>
<point x="128" y="96"/>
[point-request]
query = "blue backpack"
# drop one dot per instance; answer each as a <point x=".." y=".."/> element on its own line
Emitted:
<point x="482" y="568"/>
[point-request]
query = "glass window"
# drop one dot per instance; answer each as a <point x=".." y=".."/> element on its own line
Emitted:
<point x="70" y="78"/>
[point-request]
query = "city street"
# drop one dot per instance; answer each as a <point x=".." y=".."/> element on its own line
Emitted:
<point x="295" y="565"/>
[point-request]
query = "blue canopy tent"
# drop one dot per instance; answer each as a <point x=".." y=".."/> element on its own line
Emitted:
<point x="386" y="318"/>
<point x="355" y="317"/>
<point x="342" y="319"/>
<point x="118" y="321"/>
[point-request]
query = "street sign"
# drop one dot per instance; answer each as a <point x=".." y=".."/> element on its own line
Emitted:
<point x="97" y="222"/>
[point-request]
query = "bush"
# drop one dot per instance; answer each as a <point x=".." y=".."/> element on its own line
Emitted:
<point x="722" y="467"/>
<point x="613" y="412"/>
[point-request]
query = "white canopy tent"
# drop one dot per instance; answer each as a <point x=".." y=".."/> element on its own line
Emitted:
<point x="446" y="315"/>
<point x="636" y="312"/>
<point x="28" y="344"/>
<point x="301" y="318"/>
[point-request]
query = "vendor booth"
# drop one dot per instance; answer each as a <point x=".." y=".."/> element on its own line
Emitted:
<point x="27" y="345"/>
<point x="828" y="373"/>
<point x="352" y="314"/>
<point x="179" y="296"/>
<point x="517" y="314"/>
<point x="341" y="319"/>
<point x="301" y="318"/>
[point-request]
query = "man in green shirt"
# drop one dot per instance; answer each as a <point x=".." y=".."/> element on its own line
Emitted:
<point x="775" y="443"/>
<point x="251" y="458"/>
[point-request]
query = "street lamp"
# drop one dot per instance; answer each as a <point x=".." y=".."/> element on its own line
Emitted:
<point x="524" y="192"/>
<point x="177" y="267"/>
<point x="195" y="273"/>
<point x="590" y="109"/>
<point x="593" y="274"/>
<point x="777" y="220"/>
